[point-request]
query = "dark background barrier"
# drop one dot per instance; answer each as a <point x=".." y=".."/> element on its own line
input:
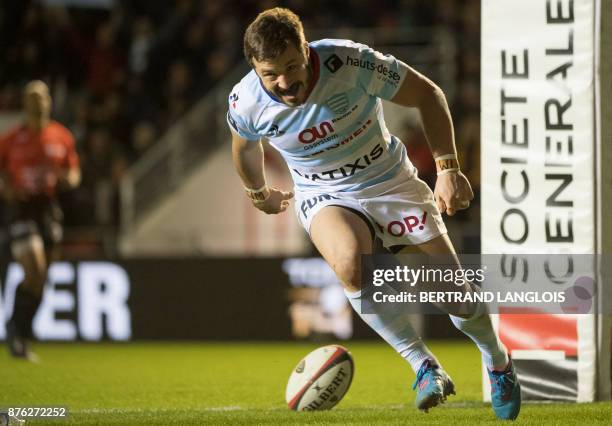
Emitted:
<point x="209" y="299"/>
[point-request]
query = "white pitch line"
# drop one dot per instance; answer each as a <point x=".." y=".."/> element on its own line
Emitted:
<point x="228" y="408"/>
<point x="156" y="410"/>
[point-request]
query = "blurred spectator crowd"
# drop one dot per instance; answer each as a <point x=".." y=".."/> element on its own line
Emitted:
<point x="120" y="76"/>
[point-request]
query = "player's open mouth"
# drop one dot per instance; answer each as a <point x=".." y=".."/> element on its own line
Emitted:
<point x="291" y="92"/>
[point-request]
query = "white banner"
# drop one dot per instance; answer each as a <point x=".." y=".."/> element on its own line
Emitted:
<point x="84" y="300"/>
<point x="538" y="170"/>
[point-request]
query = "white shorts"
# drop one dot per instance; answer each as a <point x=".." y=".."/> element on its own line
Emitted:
<point x="405" y="214"/>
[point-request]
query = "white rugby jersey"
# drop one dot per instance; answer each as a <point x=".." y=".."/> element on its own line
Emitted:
<point x="337" y="141"/>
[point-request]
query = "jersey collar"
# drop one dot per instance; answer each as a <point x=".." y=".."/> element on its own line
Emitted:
<point x="314" y="65"/>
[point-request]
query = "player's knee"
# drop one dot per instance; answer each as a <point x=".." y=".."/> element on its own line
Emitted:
<point x="29" y="252"/>
<point x="35" y="277"/>
<point x="348" y="270"/>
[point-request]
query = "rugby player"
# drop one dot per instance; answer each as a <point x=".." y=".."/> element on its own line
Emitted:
<point x="37" y="159"/>
<point x="319" y="105"/>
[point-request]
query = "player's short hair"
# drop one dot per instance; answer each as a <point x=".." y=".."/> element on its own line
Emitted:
<point x="36" y="86"/>
<point x="270" y="33"/>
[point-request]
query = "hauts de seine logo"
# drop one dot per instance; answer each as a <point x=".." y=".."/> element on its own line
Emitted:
<point x="338" y="103"/>
<point x="333" y="63"/>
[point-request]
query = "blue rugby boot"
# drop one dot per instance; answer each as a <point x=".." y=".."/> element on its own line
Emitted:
<point x="505" y="393"/>
<point x="433" y="385"/>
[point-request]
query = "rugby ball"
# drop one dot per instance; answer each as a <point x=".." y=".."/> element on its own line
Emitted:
<point x="321" y="379"/>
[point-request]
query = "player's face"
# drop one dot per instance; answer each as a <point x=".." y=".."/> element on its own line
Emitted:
<point x="37" y="101"/>
<point x="286" y="76"/>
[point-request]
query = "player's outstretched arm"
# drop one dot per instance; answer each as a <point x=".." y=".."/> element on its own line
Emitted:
<point x="69" y="173"/>
<point x="248" y="160"/>
<point x="453" y="191"/>
<point x="69" y="178"/>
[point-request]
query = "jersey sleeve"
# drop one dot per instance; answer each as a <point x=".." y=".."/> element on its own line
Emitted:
<point x="5" y="141"/>
<point x="378" y="74"/>
<point x="237" y="122"/>
<point x="3" y="144"/>
<point x="71" y="160"/>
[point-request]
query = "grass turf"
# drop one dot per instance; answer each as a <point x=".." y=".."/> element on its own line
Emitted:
<point x="238" y="383"/>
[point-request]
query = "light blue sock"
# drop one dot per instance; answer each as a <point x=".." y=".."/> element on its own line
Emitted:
<point x="392" y="323"/>
<point x="480" y="329"/>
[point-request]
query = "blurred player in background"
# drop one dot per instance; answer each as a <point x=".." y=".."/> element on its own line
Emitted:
<point x="319" y="104"/>
<point x="37" y="159"/>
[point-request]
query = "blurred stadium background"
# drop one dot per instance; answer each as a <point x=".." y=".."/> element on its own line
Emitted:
<point x="142" y="86"/>
<point x="161" y="243"/>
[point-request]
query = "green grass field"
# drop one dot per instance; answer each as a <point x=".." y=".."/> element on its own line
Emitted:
<point x="238" y="383"/>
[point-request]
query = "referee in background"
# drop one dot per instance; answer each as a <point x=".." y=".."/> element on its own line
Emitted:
<point x="37" y="160"/>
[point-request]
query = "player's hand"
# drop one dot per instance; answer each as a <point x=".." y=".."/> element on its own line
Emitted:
<point x="275" y="203"/>
<point x="453" y="192"/>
